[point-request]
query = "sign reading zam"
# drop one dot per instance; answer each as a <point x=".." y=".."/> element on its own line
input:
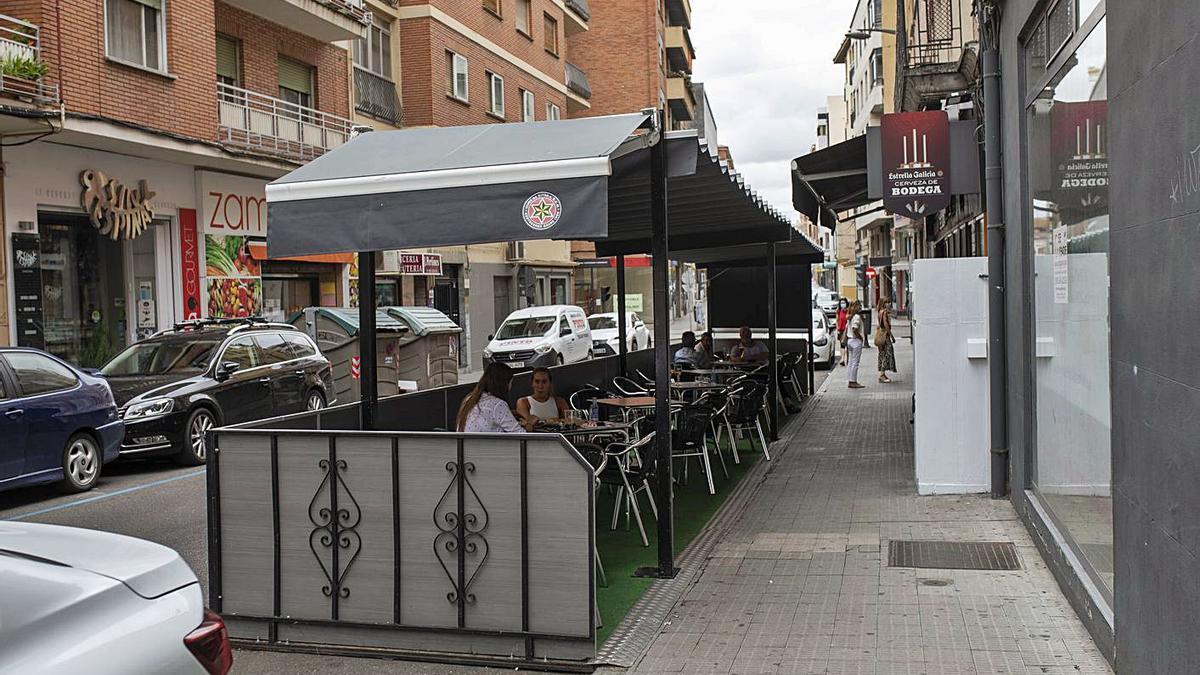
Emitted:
<point x="916" y="163"/>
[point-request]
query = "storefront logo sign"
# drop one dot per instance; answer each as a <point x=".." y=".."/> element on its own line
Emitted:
<point x="237" y="212"/>
<point x="117" y="210"/>
<point x="1080" y="150"/>
<point x="916" y="163"/>
<point x="421" y="263"/>
<point x="189" y="258"/>
<point x="542" y="211"/>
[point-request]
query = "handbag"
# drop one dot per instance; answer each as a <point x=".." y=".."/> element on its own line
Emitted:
<point x="881" y="337"/>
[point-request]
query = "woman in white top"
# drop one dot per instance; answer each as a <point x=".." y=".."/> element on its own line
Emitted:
<point x="543" y="405"/>
<point x="854" y="344"/>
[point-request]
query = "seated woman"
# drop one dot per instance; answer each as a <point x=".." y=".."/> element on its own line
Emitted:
<point x="485" y="409"/>
<point x="542" y="405"/>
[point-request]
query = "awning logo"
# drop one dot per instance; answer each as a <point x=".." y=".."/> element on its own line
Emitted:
<point x="542" y="210"/>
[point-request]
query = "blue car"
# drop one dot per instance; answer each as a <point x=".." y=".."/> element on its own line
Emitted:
<point x="57" y="423"/>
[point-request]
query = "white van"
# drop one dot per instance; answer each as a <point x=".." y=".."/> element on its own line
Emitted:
<point x="541" y="336"/>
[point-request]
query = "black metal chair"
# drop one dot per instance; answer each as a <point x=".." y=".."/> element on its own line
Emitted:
<point x="628" y="387"/>
<point x="718" y="402"/>
<point x="746" y="403"/>
<point x="630" y="464"/>
<point x="690" y="439"/>
<point x="645" y="379"/>
<point x="595" y="456"/>
<point x="581" y="401"/>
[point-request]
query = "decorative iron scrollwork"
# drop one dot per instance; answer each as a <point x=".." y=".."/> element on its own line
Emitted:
<point x="461" y="519"/>
<point x="335" y="514"/>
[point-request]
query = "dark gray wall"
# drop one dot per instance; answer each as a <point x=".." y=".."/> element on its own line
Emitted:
<point x="1154" y="64"/>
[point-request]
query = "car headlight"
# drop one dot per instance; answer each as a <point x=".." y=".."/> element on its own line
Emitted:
<point x="614" y="340"/>
<point x="156" y="407"/>
<point x="487" y="353"/>
<point x="542" y="349"/>
<point x="821" y="341"/>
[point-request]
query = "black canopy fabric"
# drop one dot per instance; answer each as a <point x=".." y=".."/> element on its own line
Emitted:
<point x="799" y="251"/>
<point x="564" y="179"/>
<point x="831" y="180"/>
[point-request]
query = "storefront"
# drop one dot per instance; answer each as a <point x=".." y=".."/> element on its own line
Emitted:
<point x="95" y="245"/>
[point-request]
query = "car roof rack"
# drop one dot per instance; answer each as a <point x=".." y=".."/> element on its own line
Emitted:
<point x="238" y="323"/>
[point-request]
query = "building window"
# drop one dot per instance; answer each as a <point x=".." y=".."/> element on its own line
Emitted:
<point x="374" y="52"/>
<point x="552" y="111"/>
<point x="1066" y="172"/>
<point x="495" y="94"/>
<point x="525" y="17"/>
<point x="456" y="76"/>
<point x="875" y="13"/>
<point x="295" y="82"/>
<point x="550" y="39"/>
<point x="527" y="104"/>
<point x="229" y="61"/>
<point x="492" y="6"/>
<point x="135" y="35"/>
<point x="877" y="67"/>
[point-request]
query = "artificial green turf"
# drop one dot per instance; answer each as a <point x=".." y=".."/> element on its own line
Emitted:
<point x="621" y="551"/>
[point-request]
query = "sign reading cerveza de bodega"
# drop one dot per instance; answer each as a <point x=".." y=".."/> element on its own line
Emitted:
<point x="916" y="163"/>
<point x="1079" y="145"/>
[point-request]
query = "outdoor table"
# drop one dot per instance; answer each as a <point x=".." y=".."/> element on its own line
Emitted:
<point x="714" y="372"/>
<point x="683" y="388"/>
<point x="628" y="405"/>
<point x="588" y="428"/>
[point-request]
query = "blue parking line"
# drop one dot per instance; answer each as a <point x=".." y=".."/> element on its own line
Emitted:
<point x="97" y="498"/>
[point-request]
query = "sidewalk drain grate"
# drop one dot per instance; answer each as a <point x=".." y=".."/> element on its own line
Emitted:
<point x="954" y="555"/>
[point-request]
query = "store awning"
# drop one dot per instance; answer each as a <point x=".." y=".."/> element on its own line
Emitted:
<point x="831" y="180"/>
<point x="258" y="251"/>
<point x="799" y="251"/>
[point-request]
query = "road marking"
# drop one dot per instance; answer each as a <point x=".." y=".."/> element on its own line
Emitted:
<point x="97" y="498"/>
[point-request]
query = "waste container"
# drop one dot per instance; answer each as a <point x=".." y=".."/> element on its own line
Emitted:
<point x="428" y="355"/>
<point x="335" y="329"/>
<point x="865" y="313"/>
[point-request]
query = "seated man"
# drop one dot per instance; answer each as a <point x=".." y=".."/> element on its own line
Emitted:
<point x="747" y="349"/>
<point x="704" y="350"/>
<point x="687" y="354"/>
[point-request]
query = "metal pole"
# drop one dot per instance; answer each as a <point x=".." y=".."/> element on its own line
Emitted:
<point x="812" y="352"/>
<point x="366" y="340"/>
<point x="662" y="353"/>
<point x="621" y="337"/>
<point x="994" y="195"/>
<point x="772" y="344"/>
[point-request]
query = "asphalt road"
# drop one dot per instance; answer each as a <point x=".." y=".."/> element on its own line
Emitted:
<point x="165" y="503"/>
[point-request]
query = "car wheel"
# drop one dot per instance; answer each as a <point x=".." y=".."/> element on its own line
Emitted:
<point x="81" y="463"/>
<point x="195" y="437"/>
<point x="314" y="401"/>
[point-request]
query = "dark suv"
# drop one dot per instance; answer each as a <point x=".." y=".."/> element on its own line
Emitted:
<point x="173" y="387"/>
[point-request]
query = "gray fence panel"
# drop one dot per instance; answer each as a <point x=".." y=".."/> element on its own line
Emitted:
<point x="366" y="564"/>
<point x="494" y="485"/>
<point x="423" y="480"/>
<point x="247" y="548"/>
<point x="306" y="592"/>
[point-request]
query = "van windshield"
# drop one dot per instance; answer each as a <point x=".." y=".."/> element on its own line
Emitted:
<point x="534" y="326"/>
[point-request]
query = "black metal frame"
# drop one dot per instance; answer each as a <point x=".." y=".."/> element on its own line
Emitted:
<point x="339" y="525"/>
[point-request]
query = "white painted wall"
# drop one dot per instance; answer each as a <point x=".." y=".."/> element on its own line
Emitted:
<point x="951" y="375"/>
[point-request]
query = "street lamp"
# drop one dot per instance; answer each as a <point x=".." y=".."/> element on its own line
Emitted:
<point x="865" y="33"/>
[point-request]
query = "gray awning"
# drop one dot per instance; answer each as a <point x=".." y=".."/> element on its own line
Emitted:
<point x="831" y="180"/>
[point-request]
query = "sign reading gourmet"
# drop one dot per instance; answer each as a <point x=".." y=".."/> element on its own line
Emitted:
<point x="189" y="259"/>
<point x="117" y="210"/>
<point x="1079" y="147"/>
<point x="916" y="163"/>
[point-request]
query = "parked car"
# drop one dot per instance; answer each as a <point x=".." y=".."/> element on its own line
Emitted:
<point x="606" y="339"/>
<point x="827" y="301"/>
<point x="175" y="386"/>
<point x="824" y="341"/>
<point x="57" y="423"/>
<point x="81" y="601"/>
<point x="541" y="336"/>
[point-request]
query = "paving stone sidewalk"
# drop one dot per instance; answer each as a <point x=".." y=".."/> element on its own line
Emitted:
<point x="798" y="584"/>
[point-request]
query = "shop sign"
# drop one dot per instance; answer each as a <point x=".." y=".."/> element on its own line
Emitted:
<point x="27" y="287"/>
<point x="916" y="162"/>
<point x="633" y="302"/>
<point x="1062" y="276"/>
<point x="1079" y="147"/>
<point x="189" y="259"/>
<point x="117" y="210"/>
<point x="421" y="263"/>
<point x="232" y="204"/>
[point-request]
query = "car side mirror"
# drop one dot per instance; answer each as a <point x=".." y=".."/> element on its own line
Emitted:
<point x="225" y="370"/>
<point x="491" y="337"/>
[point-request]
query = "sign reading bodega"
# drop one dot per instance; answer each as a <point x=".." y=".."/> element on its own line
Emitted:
<point x="916" y="162"/>
<point x="117" y="210"/>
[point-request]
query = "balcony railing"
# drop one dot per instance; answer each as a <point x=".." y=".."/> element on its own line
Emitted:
<point x="577" y="81"/>
<point x="355" y="9"/>
<point x="376" y="96"/>
<point x="21" y="40"/>
<point x="936" y="35"/>
<point x="581" y="8"/>
<point x="256" y="122"/>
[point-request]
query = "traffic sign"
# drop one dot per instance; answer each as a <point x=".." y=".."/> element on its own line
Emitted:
<point x="871" y="273"/>
<point x="355" y="367"/>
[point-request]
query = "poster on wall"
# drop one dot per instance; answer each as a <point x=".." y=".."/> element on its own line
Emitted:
<point x="189" y="268"/>
<point x="1079" y="147"/>
<point x="1061" y="264"/>
<point x="27" y="287"/>
<point x="233" y="277"/>
<point x="233" y="216"/>
<point x="916" y="162"/>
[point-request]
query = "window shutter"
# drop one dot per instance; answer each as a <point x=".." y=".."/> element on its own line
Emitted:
<point x="227" y="58"/>
<point x="295" y="76"/>
<point x="153" y="4"/>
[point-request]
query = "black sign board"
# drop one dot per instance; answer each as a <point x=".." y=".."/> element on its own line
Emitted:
<point x="27" y="287"/>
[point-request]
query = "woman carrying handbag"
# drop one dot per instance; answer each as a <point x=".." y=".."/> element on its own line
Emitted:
<point x="884" y="340"/>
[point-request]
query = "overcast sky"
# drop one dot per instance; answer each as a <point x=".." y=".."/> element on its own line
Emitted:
<point x="767" y="65"/>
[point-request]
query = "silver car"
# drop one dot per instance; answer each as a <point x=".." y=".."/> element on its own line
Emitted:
<point x="81" y="601"/>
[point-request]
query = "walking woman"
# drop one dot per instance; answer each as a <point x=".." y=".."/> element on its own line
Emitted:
<point x="485" y="409"/>
<point x="854" y="344"/>
<point x="843" y="318"/>
<point x="884" y="340"/>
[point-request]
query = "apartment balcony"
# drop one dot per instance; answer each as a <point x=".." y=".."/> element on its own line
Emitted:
<point x="680" y="52"/>
<point x="325" y="20"/>
<point x="680" y="98"/>
<point x="578" y="90"/>
<point x="22" y="75"/>
<point x="679" y="13"/>
<point x="943" y="51"/>
<point x="272" y="126"/>
<point x="376" y="96"/>
<point x="578" y="14"/>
